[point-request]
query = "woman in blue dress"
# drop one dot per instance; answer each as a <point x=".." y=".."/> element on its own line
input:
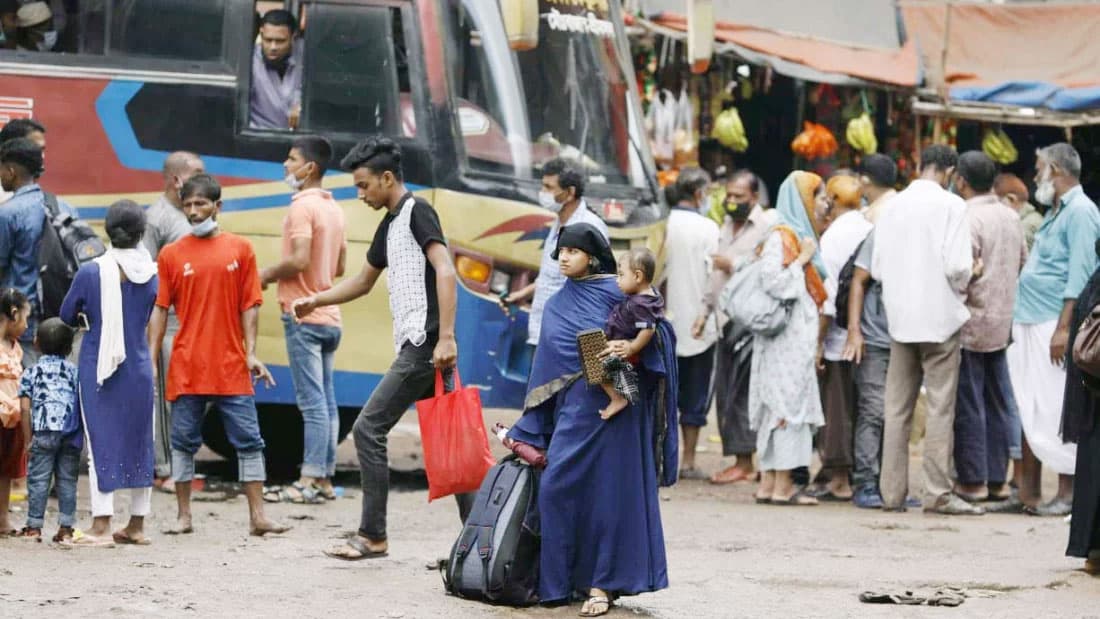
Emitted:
<point x="598" y="505"/>
<point x="115" y="294"/>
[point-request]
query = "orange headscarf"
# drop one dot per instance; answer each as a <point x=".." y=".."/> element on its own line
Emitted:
<point x="807" y="184"/>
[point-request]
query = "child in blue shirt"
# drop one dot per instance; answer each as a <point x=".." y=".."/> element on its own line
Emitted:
<point x="48" y="395"/>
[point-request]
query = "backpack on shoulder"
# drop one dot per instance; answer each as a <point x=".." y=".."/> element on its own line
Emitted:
<point x="844" y="287"/>
<point x="496" y="557"/>
<point x="67" y="242"/>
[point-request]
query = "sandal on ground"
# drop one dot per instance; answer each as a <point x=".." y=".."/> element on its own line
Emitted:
<point x="762" y="500"/>
<point x="356" y="544"/>
<point x="87" y="541"/>
<point x="301" y="495"/>
<point x="731" y="475"/>
<point x="828" y="496"/>
<point x="596" y="601"/>
<point x="34" y="533"/>
<point x="330" y="494"/>
<point x="798" y="499"/>
<point x="9" y="533"/>
<point x="122" y="537"/>
<point x="63" y="534"/>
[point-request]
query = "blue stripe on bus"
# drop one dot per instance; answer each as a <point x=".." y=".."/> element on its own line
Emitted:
<point x="275" y="200"/>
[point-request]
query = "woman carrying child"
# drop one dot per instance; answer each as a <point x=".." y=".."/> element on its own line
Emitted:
<point x="115" y="293"/>
<point x="598" y="505"/>
<point x="14" y="426"/>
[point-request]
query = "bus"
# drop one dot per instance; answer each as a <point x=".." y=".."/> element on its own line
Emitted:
<point x="477" y="105"/>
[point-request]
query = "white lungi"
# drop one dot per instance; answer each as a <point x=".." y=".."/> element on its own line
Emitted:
<point x="1040" y="386"/>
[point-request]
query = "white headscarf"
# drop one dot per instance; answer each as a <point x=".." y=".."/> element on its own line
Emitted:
<point x="139" y="268"/>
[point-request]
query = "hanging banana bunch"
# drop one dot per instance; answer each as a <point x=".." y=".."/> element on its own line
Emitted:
<point x="861" y="134"/>
<point x="729" y="131"/>
<point x="999" y="147"/>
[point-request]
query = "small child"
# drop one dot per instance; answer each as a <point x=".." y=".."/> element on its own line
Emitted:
<point x="14" y="426"/>
<point x="48" y="395"/>
<point x="630" y="327"/>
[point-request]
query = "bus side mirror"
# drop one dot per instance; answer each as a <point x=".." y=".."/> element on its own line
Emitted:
<point x="521" y="23"/>
<point x="700" y="34"/>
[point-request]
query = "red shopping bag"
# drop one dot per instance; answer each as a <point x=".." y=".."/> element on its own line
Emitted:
<point x="456" y="448"/>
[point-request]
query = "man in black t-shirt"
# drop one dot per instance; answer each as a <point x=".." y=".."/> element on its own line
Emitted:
<point x="423" y="295"/>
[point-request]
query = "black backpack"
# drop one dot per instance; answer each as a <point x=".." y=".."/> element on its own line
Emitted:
<point x="67" y="242"/>
<point x="496" y="557"/>
<point x="844" y="286"/>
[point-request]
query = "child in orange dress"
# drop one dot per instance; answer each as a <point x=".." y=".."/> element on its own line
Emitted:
<point x="15" y="429"/>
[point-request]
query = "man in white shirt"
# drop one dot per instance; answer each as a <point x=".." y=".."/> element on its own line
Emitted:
<point x="837" y="384"/>
<point x="692" y="240"/>
<point x="562" y="194"/>
<point x="923" y="258"/>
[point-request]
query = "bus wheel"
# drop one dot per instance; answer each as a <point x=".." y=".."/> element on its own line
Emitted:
<point x="281" y="427"/>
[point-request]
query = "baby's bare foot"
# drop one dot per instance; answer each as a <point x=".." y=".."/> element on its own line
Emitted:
<point x="614" y="408"/>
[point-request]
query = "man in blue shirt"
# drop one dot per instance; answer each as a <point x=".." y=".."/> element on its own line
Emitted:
<point x="21" y="221"/>
<point x="1061" y="262"/>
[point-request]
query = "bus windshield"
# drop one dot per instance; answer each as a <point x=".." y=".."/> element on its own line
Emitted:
<point x="568" y="96"/>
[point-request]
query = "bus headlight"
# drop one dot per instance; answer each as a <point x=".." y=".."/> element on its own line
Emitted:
<point x="473" y="270"/>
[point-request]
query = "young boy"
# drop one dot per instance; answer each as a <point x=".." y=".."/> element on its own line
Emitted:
<point x="47" y="394"/>
<point x="630" y="327"/>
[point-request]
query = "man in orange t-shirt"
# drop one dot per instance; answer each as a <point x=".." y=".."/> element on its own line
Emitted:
<point x="314" y="251"/>
<point x="210" y="278"/>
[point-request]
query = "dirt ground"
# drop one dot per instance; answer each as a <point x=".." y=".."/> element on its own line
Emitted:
<point x="727" y="558"/>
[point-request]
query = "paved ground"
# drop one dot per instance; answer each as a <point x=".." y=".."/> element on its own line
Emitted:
<point x="727" y="558"/>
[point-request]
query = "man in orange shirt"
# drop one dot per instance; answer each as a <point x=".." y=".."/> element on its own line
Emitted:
<point x="314" y="250"/>
<point x="210" y="278"/>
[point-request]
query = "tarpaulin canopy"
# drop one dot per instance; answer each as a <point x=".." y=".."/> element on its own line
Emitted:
<point x="1034" y="55"/>
<point x="808" y="40"/>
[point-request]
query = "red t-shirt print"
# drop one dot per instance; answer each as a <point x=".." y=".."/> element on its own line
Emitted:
<point x="210" y="282"/>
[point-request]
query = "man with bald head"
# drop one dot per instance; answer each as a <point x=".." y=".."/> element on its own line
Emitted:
<point x="165" y="224"/>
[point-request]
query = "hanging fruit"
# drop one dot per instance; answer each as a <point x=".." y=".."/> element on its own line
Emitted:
<point x="861" y="134"/>
<point x="729" y="131"/>
<point x="999" y="147"/>
<point x="815" y="142"/>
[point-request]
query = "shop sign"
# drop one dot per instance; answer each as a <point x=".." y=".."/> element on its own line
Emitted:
<point x="580" y="16"/>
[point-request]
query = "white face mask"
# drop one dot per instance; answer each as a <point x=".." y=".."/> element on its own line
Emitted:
<point x="294" y="182"/>
<point x="1044" y="190"/>
<point x="49" y="40"/>
<point x="205" y="227"/>
<point x="547" y="201"/>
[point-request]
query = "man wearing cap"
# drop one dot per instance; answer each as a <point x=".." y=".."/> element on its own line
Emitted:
<point x="28" y="26"/>
<point x="744" y="225"/>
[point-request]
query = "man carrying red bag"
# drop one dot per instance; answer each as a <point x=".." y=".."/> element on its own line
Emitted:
<point x="423" y="295"/>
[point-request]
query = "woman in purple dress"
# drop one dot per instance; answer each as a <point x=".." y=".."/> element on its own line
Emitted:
<point x="115" y="294"/>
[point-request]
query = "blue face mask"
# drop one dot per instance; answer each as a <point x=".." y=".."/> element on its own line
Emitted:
<point x="204" y="228"/>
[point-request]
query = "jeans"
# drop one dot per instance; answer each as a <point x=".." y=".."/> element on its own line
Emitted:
<point x="870" y="410"/>
<point x="241" y="426"/>
<point x="982" y="413"/>
<point x="410" y="378"/>
<point x="52" y="454"/>
<point x="311" y="349"/>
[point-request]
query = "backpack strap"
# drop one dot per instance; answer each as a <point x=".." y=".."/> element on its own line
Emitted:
<point x="53" y="209"/>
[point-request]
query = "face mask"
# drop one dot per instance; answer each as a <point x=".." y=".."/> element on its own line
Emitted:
<point x="740" y="212"/>
<point x="204" y="228"/>
<point x="293" y="181"/>
<point x="547" y="201"/>
<point x="1044" y="191"/>
<point x="49" y="39"/>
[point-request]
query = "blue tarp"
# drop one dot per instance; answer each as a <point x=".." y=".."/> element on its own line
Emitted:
<point x="1032" y="94"/>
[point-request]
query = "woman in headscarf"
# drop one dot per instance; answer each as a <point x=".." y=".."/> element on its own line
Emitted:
<point x="597" y="504"/>
<point x="115" y="295"/>
<point x="1081" y="425"/>
<point x="784" y="406"/>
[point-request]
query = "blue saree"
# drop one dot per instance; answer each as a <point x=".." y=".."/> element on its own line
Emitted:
<point x="598" y="505"/>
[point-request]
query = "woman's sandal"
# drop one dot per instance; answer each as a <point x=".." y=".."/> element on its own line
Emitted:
<point x="588" y="609"/>
<point x="798" y="499"/>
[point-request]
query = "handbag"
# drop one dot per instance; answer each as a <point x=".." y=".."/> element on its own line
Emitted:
<point x="452" y="432"/>
<point x="1086" y="346"/>
<point x="746" y="303"/>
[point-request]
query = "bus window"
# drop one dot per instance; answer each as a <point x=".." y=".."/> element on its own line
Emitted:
<point x="151" y="28"/>
<point x="356" y="71"/>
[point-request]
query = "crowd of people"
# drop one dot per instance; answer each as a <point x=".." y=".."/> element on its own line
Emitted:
<point x="953" y="295"/>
